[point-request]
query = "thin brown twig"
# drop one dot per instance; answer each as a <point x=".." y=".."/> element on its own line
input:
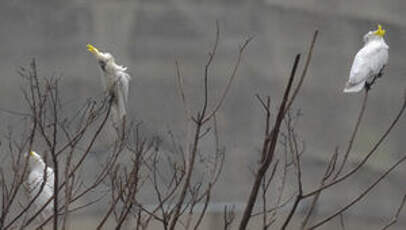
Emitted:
<point x="366" y="158"/>
<point x="360" y="196"/>
<point x="354" y="133"/>
<point x="342" y="222"/>
<point x="230" y="80"/>
<point x="212" y="53"/>
<point x="304" y="72"/>
<point x="295" y="150"/>
<point x="181" y="90"/>
<point x="396" y="215"/>
<point x="329" y="169"/>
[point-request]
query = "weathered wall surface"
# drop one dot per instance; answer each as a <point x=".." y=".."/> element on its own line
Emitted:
<point x="148" y="36"/>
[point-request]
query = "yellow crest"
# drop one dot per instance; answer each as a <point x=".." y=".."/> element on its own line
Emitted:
<point x="92" y="49"/>
<point x="31" y="153"/>
<point x="380" y="32"/>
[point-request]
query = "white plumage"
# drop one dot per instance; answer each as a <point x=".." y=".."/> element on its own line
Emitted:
<point x="35" y="181"/>
<point x="116" y="83"/>
<point x="368" y="62"/>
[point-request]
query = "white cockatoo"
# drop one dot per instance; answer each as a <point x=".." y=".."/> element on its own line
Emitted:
<point x="116" y="82"/>
<point x="35" y="181"/>
<point x="368" y="62"/>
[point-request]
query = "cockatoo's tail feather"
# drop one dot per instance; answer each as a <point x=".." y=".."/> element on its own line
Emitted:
<point x="354" y="88"/>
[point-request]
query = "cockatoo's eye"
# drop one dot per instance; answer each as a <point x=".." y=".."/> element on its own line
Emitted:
<point x="102" y="65"/>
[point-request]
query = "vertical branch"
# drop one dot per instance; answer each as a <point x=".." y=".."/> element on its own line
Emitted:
<point x="354" y="133"/>
<point x="189" y="169"/>
<point x="230" y="80"/>
<point x="212" y="53"/>
<point x="329" y="170"/>
<point x="68" y="190"/>
<point x="397" y="213"/>
<point x="269" y="149"/>
<point x="199" y="122"/>
<point x="228" y="217"/>
<point x="302" y="77"/>
<point x="342" y="223"/>
<point x="181" y="90"/>
<point x="296" y="159"/>
<point x="53" y="88"/>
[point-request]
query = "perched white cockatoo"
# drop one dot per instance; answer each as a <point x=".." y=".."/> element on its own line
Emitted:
<point x="35" y="181"/>
<point x="116" y="82"/>
<point x="368" y="62"/>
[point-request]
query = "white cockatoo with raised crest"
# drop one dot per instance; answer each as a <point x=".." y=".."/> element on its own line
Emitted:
<point x="369" y="62"/>
<point x="116" y="83"/>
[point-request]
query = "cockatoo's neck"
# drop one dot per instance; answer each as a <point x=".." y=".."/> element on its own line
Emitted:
<point x="35" y="161"/>
<point x="374" y="39"/>
<point x="37" y="164"/>
<point x="111" y="67"/>
<point x="115" y="67"/>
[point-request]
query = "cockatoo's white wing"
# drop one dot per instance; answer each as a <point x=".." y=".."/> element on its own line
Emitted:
<point x="119" y="106"/>
<point x="35" y="181"/>
<point x="368" y="62"/>
<point x="124" y="82"/>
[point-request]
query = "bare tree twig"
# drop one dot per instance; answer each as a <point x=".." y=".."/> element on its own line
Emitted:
<point x="397" y="213"/>
<point x="307" y="64"/>
<point x="359" y="197"/>
<point x="228" y="85"/>
<point x="347" y="152"/>
<point x="365" y="159"/>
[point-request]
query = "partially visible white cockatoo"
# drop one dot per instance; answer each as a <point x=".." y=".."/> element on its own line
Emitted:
<point x="37" y="180"/>
<point x="368" y="62"/>
<point x="116" y="82"/>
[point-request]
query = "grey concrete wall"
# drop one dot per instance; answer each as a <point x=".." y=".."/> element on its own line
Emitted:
<point x="148" y="36"/>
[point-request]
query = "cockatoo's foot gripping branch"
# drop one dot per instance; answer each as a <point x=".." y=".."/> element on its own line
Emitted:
<point x="368" y="85"/>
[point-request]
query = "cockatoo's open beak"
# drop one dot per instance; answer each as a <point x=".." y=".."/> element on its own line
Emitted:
<point x="93" y="49"/>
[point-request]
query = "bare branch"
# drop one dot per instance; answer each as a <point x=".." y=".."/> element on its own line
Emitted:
<point x="359" y="197"/>
<point x="397" y="213"/>
<point x="268" y="150"/>
<point x="347" y="153"/>
<point x="228" y="85"/>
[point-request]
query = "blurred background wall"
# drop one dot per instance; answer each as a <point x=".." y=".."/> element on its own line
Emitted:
<point x="148" y="36"/>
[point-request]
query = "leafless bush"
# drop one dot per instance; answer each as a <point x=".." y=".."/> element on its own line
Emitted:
<point x="66" y="139"/>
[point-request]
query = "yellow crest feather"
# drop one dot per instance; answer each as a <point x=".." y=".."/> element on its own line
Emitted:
<point x="380" y="32"/>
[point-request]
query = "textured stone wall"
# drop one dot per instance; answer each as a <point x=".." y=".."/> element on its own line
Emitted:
<point x="148" y="36"/>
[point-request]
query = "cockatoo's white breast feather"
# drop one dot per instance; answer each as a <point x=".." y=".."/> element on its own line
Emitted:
<point x="36" y="177"/>
<point x="368" y="62"/>
<point x="112" y="74"/>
